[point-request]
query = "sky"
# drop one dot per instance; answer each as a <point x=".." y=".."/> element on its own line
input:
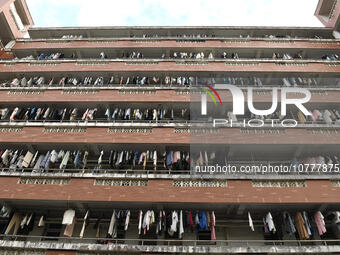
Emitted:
<point x="66" y="13"/>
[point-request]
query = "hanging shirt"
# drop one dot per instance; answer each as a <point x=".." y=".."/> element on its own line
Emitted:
<point x="41" y="222"/>
<point x="81" y="235"/>
<point x="31" y="165"/>
<point x="46" y="159"/>
<point x="206" y="161"/>
<point x="169" y="158"/>
<point x="300" y="226"/>
<point x="155" y="158"/>
<point x="112" y="231"/>
<point x="173" y="227"/>
<point x="289" y="226"/>
<point x="320" y="223"/>
<point x="5" y="156"/>
<point x="336" y="218"/>
<point x="107" y="114"/>
<point x="251" y="225"/>
<point x="212" y="226"/>
<point x="100" y="159"/>
<point x="85" y="159"/>
<point x="68" y="217"/>
<point x="127" y="220"/>
<point x="54" y="156"/>
<point x="202" y="220"/>
<point x="27" y="159"/>
<point x="146" y="221"/>
<point x="76" y="159"/>
<point x="191" y="222"/>
<point x="181" y="228"/>
<point x="308" y="225"/>
<point x="140" y="219"/>
<point x="66" y="157"/>
<point x="270" y="222"/>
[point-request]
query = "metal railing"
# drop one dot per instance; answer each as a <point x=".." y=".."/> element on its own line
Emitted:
<point x="162" y="38"/>
<point x="102" y="122"/>
<point x="172" y="242"/>
<point x="255" y="172"/>
<point x="174" y="60"/>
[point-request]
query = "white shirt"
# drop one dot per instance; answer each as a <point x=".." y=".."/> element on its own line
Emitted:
<point x="181" y="228"/>
<point x="270" y="222"/>
<point x="251" y="225"/>
<point x="173" y="227"/>
<point x="68" y="217"/>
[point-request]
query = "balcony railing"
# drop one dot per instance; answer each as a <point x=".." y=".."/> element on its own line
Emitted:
<point x="179" y="39"/>
<point x="190" y="124"/>
<point x="166" y="245"/>
<point x="89" y="61"/>
<point x="237" y="173"/>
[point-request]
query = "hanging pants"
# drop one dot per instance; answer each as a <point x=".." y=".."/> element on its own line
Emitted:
<point x="15" y="222"/>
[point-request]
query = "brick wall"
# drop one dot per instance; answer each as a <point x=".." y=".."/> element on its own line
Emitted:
<point x="66" y="67"/>
<point x="237" y="191"/>
<point x="52" y="96"/>
<point x="168" y="136"/>
<point x="61" y="253"/>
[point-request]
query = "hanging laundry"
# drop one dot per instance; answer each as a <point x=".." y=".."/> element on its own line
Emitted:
<point x="127" y="220"/>
<point x="14" y="224"/>
<point x="69" y="228"/>
<point x="173" y="227"/>
<point x="41" y="221"/>
<point x="251" y="225"/>
<point x="308" y="225"/>
<point x="270" y="222"/>
<point x="300" y="226"/>
<point x="181" y="228"/>
<point x="112" y="231"/>
<point x="202" y="220"/>
<point x="68" y="217"/>
<point x="288" y="222"/>
<point x="212" y="226"/>
<point x="85" y="223"/>
<point x="320" y="223"/>
<point x="140" y="220"/>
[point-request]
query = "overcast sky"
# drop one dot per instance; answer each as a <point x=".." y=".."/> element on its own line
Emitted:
<point x="56" y="13"/>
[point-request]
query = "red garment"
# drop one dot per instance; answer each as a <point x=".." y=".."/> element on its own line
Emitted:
<point x="191" y="222"/>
